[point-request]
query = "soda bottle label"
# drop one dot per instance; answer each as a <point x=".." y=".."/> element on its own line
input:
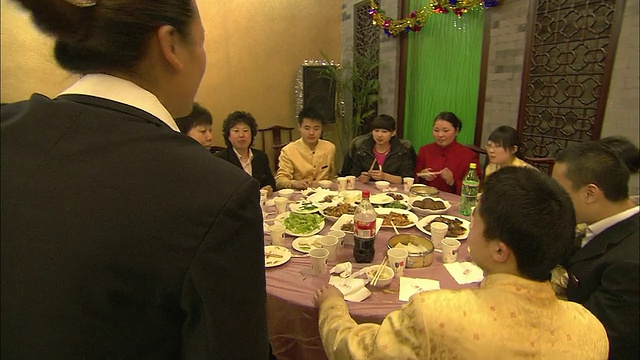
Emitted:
<point x="364" y="229"/>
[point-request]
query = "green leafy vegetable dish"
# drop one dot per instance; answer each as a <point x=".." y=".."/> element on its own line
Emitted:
<point x="395" y="205"/>
<point x="303" y="223"/>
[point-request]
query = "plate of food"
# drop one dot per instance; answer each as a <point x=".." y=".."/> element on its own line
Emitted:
<point x="301" y="224"/>
<point x="402" y="219"/>
<point x="380" y="199"/>
<point x="345" y="223"/>
<point x="275" y="255"/>
<point x="458" y="228"/>
<point x="333" y="212"/>
<point x="426" y="205"/>
<point x="304" y="207"/>
<point x="324" y="196"/>
<point x="395" y="204"/>
<point x="423" y="190"/>
<point x="305" y="244"/>
<point x="398" y="196"/>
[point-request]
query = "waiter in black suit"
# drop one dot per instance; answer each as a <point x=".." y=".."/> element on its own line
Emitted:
<point x="239" y="130"/>
<point x="121" y="237"/>
<point x="603" y="274"/>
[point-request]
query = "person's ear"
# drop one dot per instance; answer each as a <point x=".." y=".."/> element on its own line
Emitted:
<point x="514" y="149"/>
<point x="168" y="40"/>
<point x="592" y="193"/>
<point x="393" y="133"/>
<point x="501" y="252"/>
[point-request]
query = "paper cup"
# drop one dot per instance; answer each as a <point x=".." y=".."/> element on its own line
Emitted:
<point x="281" y="204"/>
<point x="342" y="183"/>
<point x="397" y="260"/>
<point x="438" y="232"/>
<point x="351" y="182"/>
<point x="330" y="243"/>
<point x="319" y="258"/>
<point x="277" y="234"/>
<point x="340" y="235"/>
<point x="408" y="183"/>
<point x="450" y="250"/>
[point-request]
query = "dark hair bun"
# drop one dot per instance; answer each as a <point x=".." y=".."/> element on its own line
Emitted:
<point x="59" y="18"/>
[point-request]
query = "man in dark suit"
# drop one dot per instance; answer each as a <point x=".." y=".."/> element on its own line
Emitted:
<point x="603" y="274"/>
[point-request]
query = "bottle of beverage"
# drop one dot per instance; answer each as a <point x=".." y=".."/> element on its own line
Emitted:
<point x="364" y="230"/>
<point x="469" y="194"/>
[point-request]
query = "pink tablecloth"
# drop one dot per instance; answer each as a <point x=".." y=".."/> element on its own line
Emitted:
<point x="292" y="317"/>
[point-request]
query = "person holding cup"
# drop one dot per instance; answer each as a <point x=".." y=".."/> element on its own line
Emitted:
<point x="514" y="314"/>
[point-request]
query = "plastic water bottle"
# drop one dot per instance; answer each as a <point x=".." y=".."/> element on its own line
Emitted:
<point x="364" y="230"/>
<point x="469" y="194"/>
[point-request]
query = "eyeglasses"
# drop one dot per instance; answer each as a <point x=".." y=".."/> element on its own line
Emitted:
<point x="491" y="145"/>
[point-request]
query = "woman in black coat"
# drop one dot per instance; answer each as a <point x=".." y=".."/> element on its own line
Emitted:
<point x="239" y="130"/>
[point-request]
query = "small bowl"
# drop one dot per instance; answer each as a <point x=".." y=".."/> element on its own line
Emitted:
<point x="384" y="279"/>
<point x="286" y="193"/>
<point x="382" y="185"/>
<point x="325" y="184"/>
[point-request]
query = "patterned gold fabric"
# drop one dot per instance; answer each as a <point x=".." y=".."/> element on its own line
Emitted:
<point x="298" y="162"/>
<point x="508" y="317"/>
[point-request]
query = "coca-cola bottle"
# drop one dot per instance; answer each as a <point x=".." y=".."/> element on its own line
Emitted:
<point x="364" y="230"/>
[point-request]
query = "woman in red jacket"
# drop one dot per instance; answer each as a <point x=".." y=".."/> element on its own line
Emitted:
<point x="443" y="163"/>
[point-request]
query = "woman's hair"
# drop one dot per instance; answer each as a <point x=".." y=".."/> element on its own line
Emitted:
<point x="383" y="121"/>
<point x="199" y="116"/>
<point x="451" y="118"/>
<point x="626" y="151"/>
<point x="507" y="137"/>
<point x="110" y="35"/>
<point x="236" y="118"/>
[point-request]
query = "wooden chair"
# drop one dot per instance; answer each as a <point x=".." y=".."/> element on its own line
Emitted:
<point x="543" y="164"/>
<point x="276" y="155"/>
<point x="276" y="132"/>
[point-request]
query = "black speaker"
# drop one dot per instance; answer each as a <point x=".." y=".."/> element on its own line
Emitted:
<point x="319" y="91"/>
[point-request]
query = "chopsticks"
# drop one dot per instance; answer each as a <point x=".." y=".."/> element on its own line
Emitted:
<point x="394" y="227"/>
<point x="379" y="271"/>
<point x="372" y="165"/>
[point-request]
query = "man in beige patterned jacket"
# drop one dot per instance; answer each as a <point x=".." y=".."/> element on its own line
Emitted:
<point x="522" y="227"/>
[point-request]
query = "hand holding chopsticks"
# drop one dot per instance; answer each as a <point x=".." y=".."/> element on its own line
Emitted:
<point x="374" y="281"/>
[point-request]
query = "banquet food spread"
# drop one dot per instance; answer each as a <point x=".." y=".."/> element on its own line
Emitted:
<point x="398" y="219"/>
<point x="339" y="210"/>
<point x="429" y="204"/>
<point x="347" y="227"/>
<point x="455" y="226"/>
<point x="395" y="196"/>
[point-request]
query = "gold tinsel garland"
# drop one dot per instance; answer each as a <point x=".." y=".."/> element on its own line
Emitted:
<point x="417" y="18"/>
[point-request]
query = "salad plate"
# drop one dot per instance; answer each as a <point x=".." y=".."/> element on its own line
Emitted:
<point x="301" y="224"/>
<point x="304" y="207"/>
<point x="306" y="243"/>
<point x="275" y="255"/>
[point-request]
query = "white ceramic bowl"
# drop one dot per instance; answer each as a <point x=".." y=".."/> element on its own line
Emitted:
<point x="384" y="279"/>
<point x="382" y="185"/>
<point x="286" y="193"/>
<point x="325" y="184"/>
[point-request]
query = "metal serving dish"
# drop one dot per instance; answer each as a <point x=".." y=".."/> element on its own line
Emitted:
<point x="414" y="260"/>
<point x="423" y="190"/>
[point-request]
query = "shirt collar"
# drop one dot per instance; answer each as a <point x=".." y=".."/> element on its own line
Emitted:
<point x="597" y="227"/>
<point x="123" y="91"/>
<point x="240" y="156"/>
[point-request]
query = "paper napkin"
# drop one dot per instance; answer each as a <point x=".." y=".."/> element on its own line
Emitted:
<point x="353" y="289"/>
<point x="410" y="286"/>
<point x="344" y="269"/>
<point x="465" y="272"/>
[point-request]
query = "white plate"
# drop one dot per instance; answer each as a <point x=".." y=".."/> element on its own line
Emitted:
<point x="411" y="216"/>
<point x="346" y="218"/>
<point x="424" y="221"/>
<point x="298" y="207"/>
<point x="276" y="250"/>
<point x="306" y="243"/>
<point x="380" y="199"/>
<point x="320" y="194"/>
<point x="286" y="214"/>
<point x="421" y="211"/>
<point x="386" y="206"/>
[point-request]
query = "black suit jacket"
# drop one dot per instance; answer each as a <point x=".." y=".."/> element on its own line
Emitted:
<point x="122" y="239"/>
<point x="604" y="277"/>
<point x="259" y="165"/>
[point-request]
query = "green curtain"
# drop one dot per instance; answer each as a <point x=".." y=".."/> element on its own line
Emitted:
<point x="443" y="73"/>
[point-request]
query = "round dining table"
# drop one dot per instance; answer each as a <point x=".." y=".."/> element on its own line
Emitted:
<point x="292" y="317"/>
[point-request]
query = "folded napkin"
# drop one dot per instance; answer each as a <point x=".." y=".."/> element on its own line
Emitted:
<point x="344" y="269"/>
<point x="353" y="289"/>
<point x="410" y="286"/>
<point x="465" y="272"/>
